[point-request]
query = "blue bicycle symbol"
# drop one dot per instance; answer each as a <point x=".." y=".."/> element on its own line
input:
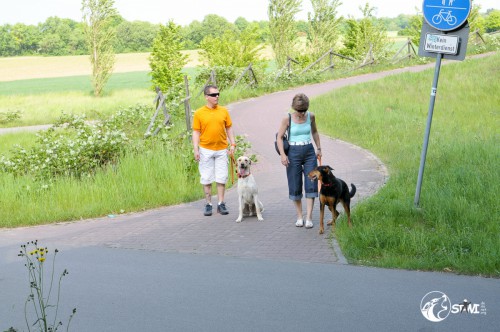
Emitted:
<point x="444" y="16"/>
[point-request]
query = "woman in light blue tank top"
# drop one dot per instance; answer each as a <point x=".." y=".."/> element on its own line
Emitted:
<point x="301" y="158"/>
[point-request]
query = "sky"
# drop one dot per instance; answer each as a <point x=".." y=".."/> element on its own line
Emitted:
<point x="183" y="12"/>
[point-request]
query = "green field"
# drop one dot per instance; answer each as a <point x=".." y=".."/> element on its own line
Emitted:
<point x="42" y="100"/>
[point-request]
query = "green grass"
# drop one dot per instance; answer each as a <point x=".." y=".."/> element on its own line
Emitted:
<point x="117" y="81"/>
<point x="457" y="227"/>
<point x="46" y="108"/>
<point x="149" y="180"/>
<point x="8" y="141"/>
<point x="41" y="101"/>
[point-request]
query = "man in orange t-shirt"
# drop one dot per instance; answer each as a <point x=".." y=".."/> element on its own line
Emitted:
<point x="212" y="126"/>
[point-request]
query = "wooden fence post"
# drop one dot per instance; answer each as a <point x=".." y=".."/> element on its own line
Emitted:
<point x="187" y="105"/>
<point x="478" y="37"/>
<point x="331" y="65"/>
<point x="253" y="77"/>
<point x="159" y="101"/>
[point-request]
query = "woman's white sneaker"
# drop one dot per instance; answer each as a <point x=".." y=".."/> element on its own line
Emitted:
<point x="309" y="224"/>
<point x="299" y="223"/>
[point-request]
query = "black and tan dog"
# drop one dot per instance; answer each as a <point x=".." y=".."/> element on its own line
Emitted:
<point x="333" y="190"/>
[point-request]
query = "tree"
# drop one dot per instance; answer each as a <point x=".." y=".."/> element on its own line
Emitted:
<point x="166" y="62"/>
<point x="214" y="25"/>
<point x="241" y="23"/>
<point x="192" y="35"/>
<point x="135" y="36"/>
<point x="232" y="49"/>
<point x="97" y="18"/>
<point x="26" y="38"/>
<point x="52" y="44"/>
<point x="283" y="35"/>
<point x="413" y="31"/>
<point x="264" y="31"/>
<point x="324" y="26"/>
<point x="492" y="21"/>
<point x="61" y="36"/>
<point x="476" y="21"/>
<point x="8" y="45"/>
<point x="365" y="34"/>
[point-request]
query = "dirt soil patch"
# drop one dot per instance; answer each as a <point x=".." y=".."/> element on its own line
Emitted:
<point x="22" y="68"/>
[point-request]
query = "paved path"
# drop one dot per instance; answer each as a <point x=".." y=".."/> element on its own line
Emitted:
<point x="174" y="269"/>
<point x="188" y="231"/>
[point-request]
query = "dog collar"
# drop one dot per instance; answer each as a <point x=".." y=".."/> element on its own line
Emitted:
<point x="243" y="176"/>
<point x="326" y="184"/>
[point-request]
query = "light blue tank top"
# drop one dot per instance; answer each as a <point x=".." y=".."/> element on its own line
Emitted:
<point x="301" y="132"/>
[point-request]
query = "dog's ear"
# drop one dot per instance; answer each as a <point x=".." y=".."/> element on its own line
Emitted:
<point x="331" y="169"/>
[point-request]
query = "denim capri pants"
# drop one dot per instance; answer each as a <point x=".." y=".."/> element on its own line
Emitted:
<point x="302" y="160"/>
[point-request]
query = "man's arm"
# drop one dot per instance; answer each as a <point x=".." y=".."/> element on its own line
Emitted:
<point x="196" y="145"/>
<point x="230" y="134"/>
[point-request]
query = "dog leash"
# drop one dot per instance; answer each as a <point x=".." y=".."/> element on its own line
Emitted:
<point x="319" y="182"/>
<point x="233" y="163"/>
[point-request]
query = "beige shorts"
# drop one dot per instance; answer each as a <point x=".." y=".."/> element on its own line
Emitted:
<point x="213" y="166"/>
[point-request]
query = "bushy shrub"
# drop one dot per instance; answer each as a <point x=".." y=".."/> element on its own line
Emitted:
<point x="75" y="147"/>
<point x="224" y="76"/>
<point x="9" y="116"/>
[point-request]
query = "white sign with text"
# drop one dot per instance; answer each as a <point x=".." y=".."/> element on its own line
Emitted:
<point x="437" y="43"/>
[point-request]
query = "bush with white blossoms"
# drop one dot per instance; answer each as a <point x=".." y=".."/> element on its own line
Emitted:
<point x="75" y="147"/>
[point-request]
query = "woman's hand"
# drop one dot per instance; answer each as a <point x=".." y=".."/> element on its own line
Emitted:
<point x="284" y="160"/>
<point x="318" y="154"/>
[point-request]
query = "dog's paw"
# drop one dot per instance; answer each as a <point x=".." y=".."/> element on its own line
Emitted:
<point x="260" y="219"/>
<point x="239" y="219"/>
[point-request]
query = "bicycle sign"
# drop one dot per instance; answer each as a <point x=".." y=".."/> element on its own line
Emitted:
<point x="446" y="15"/>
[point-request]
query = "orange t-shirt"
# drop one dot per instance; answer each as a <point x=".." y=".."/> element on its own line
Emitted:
<point x="212" y="125"/>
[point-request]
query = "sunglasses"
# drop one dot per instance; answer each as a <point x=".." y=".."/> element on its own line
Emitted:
<point x="213" y="94"/>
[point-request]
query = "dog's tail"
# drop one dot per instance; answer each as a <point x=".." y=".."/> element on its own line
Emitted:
<point x="353" y="190"/>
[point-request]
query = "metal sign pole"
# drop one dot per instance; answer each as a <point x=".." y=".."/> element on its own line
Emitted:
<point x="428" y="128"/>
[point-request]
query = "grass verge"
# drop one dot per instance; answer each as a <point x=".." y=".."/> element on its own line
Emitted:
<point x="158" y="177"/>
<point x="457" y="227"/>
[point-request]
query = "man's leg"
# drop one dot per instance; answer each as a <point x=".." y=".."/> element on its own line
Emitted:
<point x="207" y="189"/>
<point x="221" y="190"/>
<point x="206" y="167"/>
<point x="221" y="172"/>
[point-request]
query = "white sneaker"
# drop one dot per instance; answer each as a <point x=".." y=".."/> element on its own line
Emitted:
<point x="309" y="224"/>
<point x="299" y="223"/>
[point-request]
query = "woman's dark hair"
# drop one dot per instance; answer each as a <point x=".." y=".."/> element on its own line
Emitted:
<point x="300" y="102"/>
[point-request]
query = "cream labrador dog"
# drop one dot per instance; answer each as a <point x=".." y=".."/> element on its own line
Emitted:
<point x="247" y="191"/>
